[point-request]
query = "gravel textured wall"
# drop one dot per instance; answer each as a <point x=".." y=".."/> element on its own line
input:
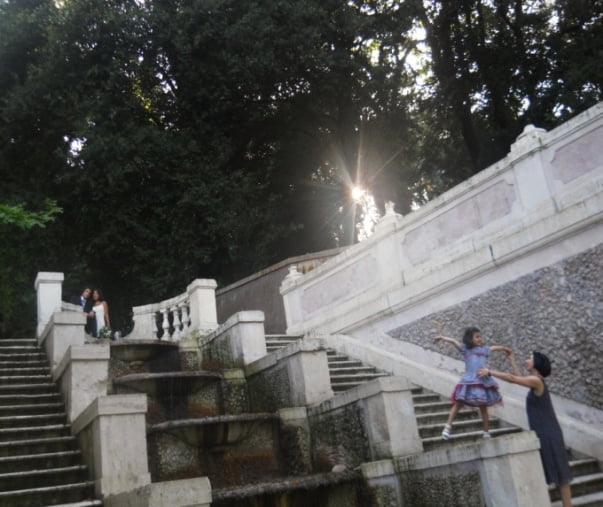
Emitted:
<point x="557" y="310"/>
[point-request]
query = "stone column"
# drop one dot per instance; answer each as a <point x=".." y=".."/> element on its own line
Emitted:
<point x="49" y="288"/>
<point x="113" y="439"/>
<point x="203" y="313"/>
<point x="83" y="376"/>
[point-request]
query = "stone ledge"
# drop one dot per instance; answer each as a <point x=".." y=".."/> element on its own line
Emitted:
<point x="116" y="404"/>
<point x="96" y="352"/>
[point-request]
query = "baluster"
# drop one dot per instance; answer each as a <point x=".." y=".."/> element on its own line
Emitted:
<point x="186" y="319"/>
<point x="155" y="330"/>
<point x="165" y="325"/>
<point x="176" y="324"/>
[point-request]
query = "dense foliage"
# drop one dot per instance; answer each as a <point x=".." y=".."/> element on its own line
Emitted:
<point x="211" y="138"/>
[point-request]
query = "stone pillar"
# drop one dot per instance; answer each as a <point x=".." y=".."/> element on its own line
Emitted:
<point x="49" y="288"/>
<point x="390" y="416"/>
<point x="295" y="430"/>
<point x="203" y="313"/>
<point x="143" y="323"/>
<point x="529" y="168"/>
<point x="113" y="439"/>
<point x="309" y="376"/>
<point x="83" y="376"/>
<point x="237" y="342"/>
<point x="383" y="481"/>
<point x="295" y="376"/>
<point x="63" y="330"/>
<point x="511" y="471"/>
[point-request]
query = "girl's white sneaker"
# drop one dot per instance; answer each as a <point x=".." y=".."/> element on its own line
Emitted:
<point x="486" y="435"/>
<point x="446" y="431"/>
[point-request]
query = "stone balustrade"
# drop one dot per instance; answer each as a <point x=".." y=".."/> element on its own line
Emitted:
<point x="177" y="317"/>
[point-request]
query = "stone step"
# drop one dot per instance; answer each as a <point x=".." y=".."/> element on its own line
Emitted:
<point x="39" y="388"/>
<point x="33" y="409"/>
<point x="79" y="492"/>
<point x="584" y="466"/>
<point x="40" y="461"/>
<point x="426" y="397"/>
<point x="6" y="380"/>
<point x="459" y="426"/>
<point x="423" y="408"/>
<point x="11" y="365"/>
<point x="344" y="386"/>
<point x="32" y="419"/>
<point x="472" y="436"/>
<point x="37" y="446"/>
<point x="23" y="358"/>
<point x="20" y="352"/>
<point x="85" y="503"/>
<point x="44" y="477"/>
<point x="351" y="370"/>
<point x="13" y="371"/>
<point x="21" y="399"/>
<point x="581" y="486"/>
<point x="11" y="342"/>
<point x="442" y="416"/>
<point x="343" y="363"/>
<point x="28" y="432"/>
<point x="590" y="500"/>
<point x="359" y="377"/>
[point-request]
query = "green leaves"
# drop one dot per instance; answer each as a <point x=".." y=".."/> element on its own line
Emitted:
<point x="18" y="216"/>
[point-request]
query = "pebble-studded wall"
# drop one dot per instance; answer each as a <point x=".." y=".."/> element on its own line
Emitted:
<point x="557" y="310"/>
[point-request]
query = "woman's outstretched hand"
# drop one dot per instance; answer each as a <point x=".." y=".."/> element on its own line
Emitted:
<point x="483" y="372"/>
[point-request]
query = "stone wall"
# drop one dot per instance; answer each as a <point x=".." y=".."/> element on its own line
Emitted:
<point x="260" y="291"/>
<point x="557" y="310"/>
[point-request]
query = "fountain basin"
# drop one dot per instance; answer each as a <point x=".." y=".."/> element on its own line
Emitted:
<point x="140" y="350"/>
<point x="210" y="432"/>
<point x="229" y="449"/>
<point x="175" y="395"/>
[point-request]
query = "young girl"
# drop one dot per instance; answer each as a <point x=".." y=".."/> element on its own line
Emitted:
<point x="542" y="420"/>
<point x="472" y="389"/>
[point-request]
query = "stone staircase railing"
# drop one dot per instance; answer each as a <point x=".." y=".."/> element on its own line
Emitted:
<point x="431" y="411"/>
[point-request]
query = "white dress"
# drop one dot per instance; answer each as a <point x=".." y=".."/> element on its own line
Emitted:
<point x="99" y="313"/>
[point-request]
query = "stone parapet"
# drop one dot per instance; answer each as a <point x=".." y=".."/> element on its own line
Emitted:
<point x="375" y="420"/>
<point x="294" y="376"/>
<point x="502" y="472"/>
<point x="194" y="492"/>
<point x="236" y="343"/>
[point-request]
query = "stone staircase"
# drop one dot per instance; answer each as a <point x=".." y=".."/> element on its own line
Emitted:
<point x="40" y="463"/>
<point x="432" y="410"/>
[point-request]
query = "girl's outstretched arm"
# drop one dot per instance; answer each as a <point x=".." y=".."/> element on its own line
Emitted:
<point x="454" y="342"/>
<point x="494" y="348"/>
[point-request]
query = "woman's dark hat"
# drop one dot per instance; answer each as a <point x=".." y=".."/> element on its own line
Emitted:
<point x="541" y="363"/>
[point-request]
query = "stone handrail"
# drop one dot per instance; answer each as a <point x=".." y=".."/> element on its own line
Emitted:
<point x="178" y="317"/>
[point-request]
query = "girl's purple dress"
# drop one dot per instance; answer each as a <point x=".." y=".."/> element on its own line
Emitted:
<point x="472" y="389"/>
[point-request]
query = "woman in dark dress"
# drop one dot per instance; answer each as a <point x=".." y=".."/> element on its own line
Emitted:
<point x="542" y="420"/>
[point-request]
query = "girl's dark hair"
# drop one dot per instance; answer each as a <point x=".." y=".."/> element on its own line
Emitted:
<point x="100" y="294"/>
<point x="468" y="337"/>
